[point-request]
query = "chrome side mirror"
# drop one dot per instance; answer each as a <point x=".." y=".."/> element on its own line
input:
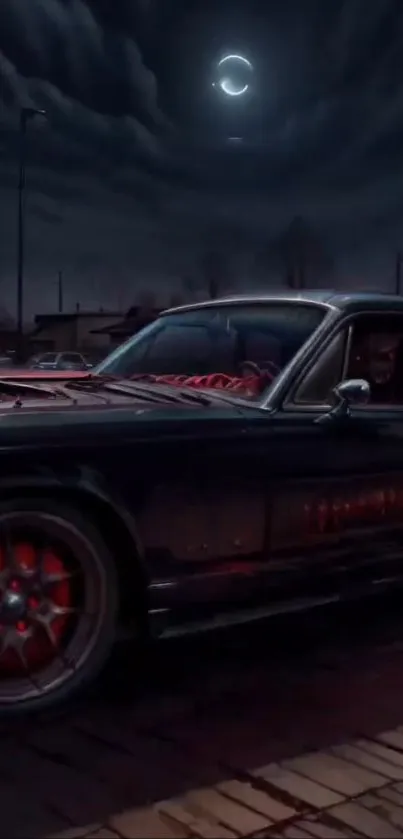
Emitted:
<point x="347" y="394"/>
<point x="353" y="392"/>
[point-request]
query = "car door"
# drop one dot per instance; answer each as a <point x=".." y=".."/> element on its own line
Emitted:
<point x="287" y="507"/>
<point x="213" y="529"/>
<point x="336" y="488"/>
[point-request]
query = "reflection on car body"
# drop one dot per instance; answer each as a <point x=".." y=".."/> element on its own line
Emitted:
<point x="144" y="496"/>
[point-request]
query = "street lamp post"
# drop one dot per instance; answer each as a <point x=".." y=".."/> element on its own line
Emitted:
<point x="25" y="115"/>
<point x="398" y="272"/>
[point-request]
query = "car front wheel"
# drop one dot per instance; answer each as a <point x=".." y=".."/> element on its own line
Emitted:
<point x="58" y="604"/>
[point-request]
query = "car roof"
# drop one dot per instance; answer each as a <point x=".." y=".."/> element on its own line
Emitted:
<point x="328" y="299"/>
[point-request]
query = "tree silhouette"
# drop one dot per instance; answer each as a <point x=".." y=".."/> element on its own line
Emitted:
<point x="176" y="299"/>
<point x="146" y="300"/>
<point x="6" y="320"/>
<point x="214" y="272"/>
<point x="213" y="275"/>
<point x="189" y="285"/>
<point x="300" y="254"/>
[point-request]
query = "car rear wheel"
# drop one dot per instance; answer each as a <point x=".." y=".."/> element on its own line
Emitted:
<point x="58" y="604"/>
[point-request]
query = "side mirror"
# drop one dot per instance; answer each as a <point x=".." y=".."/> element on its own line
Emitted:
<point x="347" y="394"/>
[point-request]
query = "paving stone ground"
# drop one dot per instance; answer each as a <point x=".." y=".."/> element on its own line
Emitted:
<point x="264" y="748"/>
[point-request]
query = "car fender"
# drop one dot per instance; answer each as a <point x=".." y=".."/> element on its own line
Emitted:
<point x="85" y="482"/>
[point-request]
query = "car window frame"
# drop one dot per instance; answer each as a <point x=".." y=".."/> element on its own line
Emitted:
<point x="290" y="405"/>
<point x="276" y="394"/>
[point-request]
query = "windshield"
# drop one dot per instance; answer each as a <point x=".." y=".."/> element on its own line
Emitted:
<point x="234" y="340"/>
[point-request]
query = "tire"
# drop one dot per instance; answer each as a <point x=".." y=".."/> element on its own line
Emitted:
<point x="58" y="604"/>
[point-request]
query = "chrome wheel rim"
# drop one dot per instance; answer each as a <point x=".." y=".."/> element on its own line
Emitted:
<point x="52" y="604"/>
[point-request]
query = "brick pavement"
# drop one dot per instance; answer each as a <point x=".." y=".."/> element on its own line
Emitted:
<point x="350" y="790"/>
<point x="315" y="751"/>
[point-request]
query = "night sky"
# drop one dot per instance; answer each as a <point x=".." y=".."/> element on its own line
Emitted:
<point x="141" y="161"/>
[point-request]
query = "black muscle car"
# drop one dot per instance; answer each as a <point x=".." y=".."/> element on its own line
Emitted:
<point x="235" y="459"/>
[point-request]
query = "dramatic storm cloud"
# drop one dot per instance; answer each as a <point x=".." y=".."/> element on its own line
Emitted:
<point x="140" y="160"/>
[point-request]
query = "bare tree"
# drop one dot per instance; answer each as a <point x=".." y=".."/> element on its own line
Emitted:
<point x="214" y="272"/>
<point x="213" y="275"/>
<point x="146" y="300"/>
<point x="300" y="254"/>
<point x="6" y="320"/>
<point x="190" y="285"/>
<point x="176" y="299"/>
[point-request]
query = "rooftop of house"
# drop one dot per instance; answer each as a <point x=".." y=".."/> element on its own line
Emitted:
<point x="63" y="317"/>
<point x="135" y="319"/>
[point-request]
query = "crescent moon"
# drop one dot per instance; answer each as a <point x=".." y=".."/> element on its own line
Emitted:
<point x="228" y="88"/>
<point x="235" y="58"/>
<point x="225" y="83"/>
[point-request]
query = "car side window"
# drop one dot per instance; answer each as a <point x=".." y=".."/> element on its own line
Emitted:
<point x="370" y="348"/>
<point x="376" y="355"/>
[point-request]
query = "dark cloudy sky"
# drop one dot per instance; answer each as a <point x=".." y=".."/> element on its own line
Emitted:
<point x="133" y="169"/>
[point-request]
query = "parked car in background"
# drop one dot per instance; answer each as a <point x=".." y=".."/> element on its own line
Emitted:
<point x="59" y="361"/>
<point x="6" y="359"/>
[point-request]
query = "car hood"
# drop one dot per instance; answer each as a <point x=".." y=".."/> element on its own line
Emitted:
<point x="54" y="415"/>
<point x="28" y="394"/>
<point x="25" y="373"/>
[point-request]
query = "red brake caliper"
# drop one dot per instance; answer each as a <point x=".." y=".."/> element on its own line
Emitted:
<point x="38" y="649"/>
